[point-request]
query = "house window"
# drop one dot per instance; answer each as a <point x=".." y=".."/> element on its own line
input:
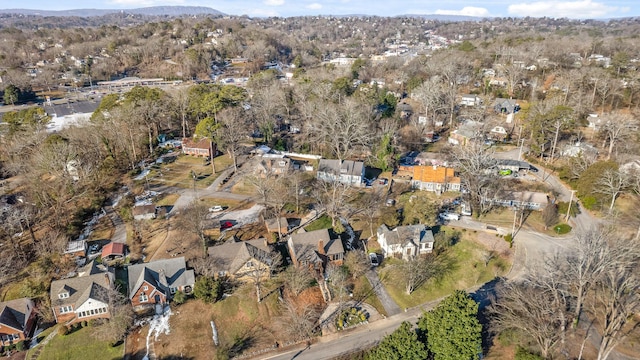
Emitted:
<point x="249" y="264"/>
<point x="63" y="295"/>
<point x="144" y="298"/>
<point x="145" y="288"/>
<point x="66" y="309"/>
<point x="173" y="290"/>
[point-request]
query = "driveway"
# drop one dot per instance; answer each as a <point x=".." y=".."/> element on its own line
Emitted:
<point x="390" y="306"/>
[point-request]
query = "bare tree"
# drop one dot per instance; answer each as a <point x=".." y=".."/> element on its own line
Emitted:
<point x="180" y="99"/>
<point x="337" y="280"/>
<point x="298" y="322"/>
<point x="615" y="130"/>
<point x="296" y="279"/>
<point x="121" y="316"/>
<point x="332" y="196"/>
<point x="232" y="133"/>
<point x="357" y="262"/>
<point x="475" y="163"/>
<point x="612" y="183"/>
<point x="263" y="265"/>
<point x="194" y="220"/>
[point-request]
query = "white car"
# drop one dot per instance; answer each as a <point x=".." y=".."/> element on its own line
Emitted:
<point x="373" y="258"/>
<point x="449" y="216"/>
<point x="216" y="208"/>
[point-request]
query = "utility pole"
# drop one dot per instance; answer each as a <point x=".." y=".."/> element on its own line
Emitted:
<point x="521" y="144"/>
<point x="569" y="207"/>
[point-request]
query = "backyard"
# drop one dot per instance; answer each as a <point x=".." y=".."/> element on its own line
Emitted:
<point x="180" y="172"/>
<point x="80" y="344"/>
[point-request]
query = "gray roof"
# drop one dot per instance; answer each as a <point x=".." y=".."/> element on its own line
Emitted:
<point x="273" y="225"/>
<point x="305" y="245"/>
<point x="402" y="235"/>
<point x="231" y="256"/>
<point x="163" y="274"/>
<point x="60" y="110"/>
<point x="13" y="313"/>
<point x="81" y="289"/>
<point x="511" y="162"/>
<point x="336" y="167"/>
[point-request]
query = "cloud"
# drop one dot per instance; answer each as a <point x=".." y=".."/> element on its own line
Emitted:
<point x="583" y="9"/>
<point x="465" y="11"/>
<point x="274" y="2"/>
<point x="314" y="6"/>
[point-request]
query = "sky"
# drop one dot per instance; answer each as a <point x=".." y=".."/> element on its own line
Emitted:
<point x="575" y="9"/>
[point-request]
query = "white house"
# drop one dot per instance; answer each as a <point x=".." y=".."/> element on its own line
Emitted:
<point x="470" y="100"/>
<point x="347" y="171"/>
<point x="405" y="241"/>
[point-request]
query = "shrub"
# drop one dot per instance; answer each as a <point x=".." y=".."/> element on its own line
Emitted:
<point x="524" y="354"/>
<point x="509" y="238"/>
<point x="20" y="346"/>
<point x="63" y="330"/>
<point x="589" y="202"/>
<point x="179" y="297"/>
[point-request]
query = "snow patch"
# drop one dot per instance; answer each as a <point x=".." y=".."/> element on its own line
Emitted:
<point x="157" y="325"/>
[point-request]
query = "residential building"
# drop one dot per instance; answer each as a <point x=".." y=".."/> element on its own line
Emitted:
<point x="435" y="178"/>
<point x="466" y="132"/>
<point x="315" y="249"/>
<point x="498" y="133"/>
<point x="506" y="106"/>
<point x="240" y="260"/>
<point x="405" y="242"/>
<point x="76" y="248"/>
<point x="69" y="114"/>
<point x="580" y="149"/>
<point x="144" y="212"/>
<point x="156" y="282"/>
<point x="470" y="100"/>
<point x="200" y="147"/>
<point x="432" y="158"/>
<point x="346" y="171"/>
<point x="278" y="225"/>
<point x="513" y="165"/>
<point x="84" y="297"/>
<point x="273" y="164"/>
<point x="17" y="318"/>
<point x="528" y="200"/>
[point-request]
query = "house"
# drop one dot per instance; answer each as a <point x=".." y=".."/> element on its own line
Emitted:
<point x="273" y="164"/>
<point x="278" y="225"/>
<point x="405" y="242"/>
<point x="315" y="249"/>
<point x="346" y="171"/>
<point x="528" y="200"/>
<point x="506" y="106"/>
<point x="498" y="133"/>
<point x="470" y="100"/>
<point x="239" y="260"/>
<point x="580" y="149"/>
<point x="405" y="110"/>
<point x="432" y="158"/>
<point x="69" y="114"/>
<point x="84" y="297"/>
<point x="144" y="212"/>
<point x="513" y="165"/>
<point x="156" y="282"/>
<point x="435" y="178"/>
<point x="201" y="147"/>
<point x="17" y="318"/>
<point x="466" y="132"/>
<point x="113" y="251"/>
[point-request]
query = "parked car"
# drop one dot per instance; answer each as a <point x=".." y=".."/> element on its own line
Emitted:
<point x="533" y="169"/>
<point x="226" y="225"/>
<point x="94" y="248"/>
<point x="391" y="202"/>
<point x="373" y="258"/>
<point x="216" y="208"/>
<point x="383" y="181"/>
<point x="449" y="216"/>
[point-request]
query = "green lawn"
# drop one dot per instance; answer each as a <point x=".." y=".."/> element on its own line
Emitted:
<point x="469" y="270"/>
<point x="323" y="222"/>
<point x="80" y="345"/>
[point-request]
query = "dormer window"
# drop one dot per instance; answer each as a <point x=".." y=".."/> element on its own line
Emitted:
<point x="145" y="288"/>
<point x="249" y="264"/>
<point x="282" y="164"/>
<point x="63" y="295"/>
<point x="344" y="171"/>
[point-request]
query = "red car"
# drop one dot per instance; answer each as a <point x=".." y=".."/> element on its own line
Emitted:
<point x="226" y="225"/>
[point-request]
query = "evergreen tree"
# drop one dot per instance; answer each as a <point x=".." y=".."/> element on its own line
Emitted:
<point x="402" y="344"/>
<point x="452" y="329"/>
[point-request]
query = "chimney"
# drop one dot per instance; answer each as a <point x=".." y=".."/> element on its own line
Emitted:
<point x="321" y="247"/>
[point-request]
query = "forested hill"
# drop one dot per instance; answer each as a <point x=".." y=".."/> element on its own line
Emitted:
<point x="148" y="11"/>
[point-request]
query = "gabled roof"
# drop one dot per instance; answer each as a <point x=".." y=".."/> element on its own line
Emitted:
<point x="143" y="210"/>
<point x="231" y="256"/>
<point x="200" y="144"/>
<point x="14" y="313"/>
<point x="403" y="235"/>
<point x="80" y="289"/>
<point x="162" y="274"/>
<point x="113" y="249"/>
<point x="305" y="245"/>
<point x="348" y="167"/>
<point x="435" y="174"/>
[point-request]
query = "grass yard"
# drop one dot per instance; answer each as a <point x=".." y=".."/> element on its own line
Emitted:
<point x="179" y="173"/>
<point x="80" y="345"/>
<point x="323" y="222"/>
<point x="243" y="187"/>
<point x="103" y="230"/>
<point x="228" y="204"/>
<point x="167" y="200"/>
<point x="469" y="270"/>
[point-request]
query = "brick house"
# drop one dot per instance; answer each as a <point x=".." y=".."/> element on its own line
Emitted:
<point x="84" y="297"/>
<point x="201" y="147"/>
<point x="156" y="282"/>
<point x="239" y="259"/>
<point x="315" y="249"/>
<point x="17" y="318"/>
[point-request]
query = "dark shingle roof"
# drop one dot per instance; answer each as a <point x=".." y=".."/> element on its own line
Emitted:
<point x="13" y="313"/>
<point x="163" y="274"/>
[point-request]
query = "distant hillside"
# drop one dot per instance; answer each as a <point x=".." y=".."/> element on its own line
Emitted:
<point x="452" y="18"/>
<point x="147" y="11"/>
